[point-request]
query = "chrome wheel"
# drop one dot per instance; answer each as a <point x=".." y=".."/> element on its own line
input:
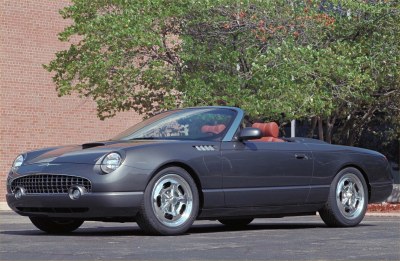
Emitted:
<point x="170" y="203"/>
<point x="172" y="200"/>
<point x="350" y="196"/>
<point x="347" y="201"/>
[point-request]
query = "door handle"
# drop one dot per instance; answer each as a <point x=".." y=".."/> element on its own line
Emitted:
<point x="301" y="156"/>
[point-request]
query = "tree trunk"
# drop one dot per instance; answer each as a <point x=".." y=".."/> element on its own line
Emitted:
<point x="345" y="135"/>
<point x="320" y="129"/>
<point x="330" y="122"/>
<point x="313" y="126"/>
<point x="358" y="126"/>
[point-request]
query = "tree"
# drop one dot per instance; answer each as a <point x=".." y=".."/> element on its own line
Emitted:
<point x="332" y="62"/>
<point x="121" y="55"/>
<point x="328" y="61"/>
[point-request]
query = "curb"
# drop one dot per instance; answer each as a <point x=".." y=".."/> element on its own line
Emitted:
<point x="4" y="206"/>
<point x="395" y="196"/>
<point x="383" y="214"/>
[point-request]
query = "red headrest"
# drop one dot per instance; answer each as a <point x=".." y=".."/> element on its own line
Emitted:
<point x="216" y="129"/>
<point x="269" y="129"/>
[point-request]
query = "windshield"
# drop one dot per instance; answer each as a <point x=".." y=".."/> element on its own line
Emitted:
<point x="185" y="124"/>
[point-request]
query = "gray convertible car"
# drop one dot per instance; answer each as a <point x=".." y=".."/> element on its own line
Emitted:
<point x="196" y="163"/>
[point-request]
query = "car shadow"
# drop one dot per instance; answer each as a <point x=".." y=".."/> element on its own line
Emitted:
<point x="211" y="228"/>
<point x="104" y="231"/>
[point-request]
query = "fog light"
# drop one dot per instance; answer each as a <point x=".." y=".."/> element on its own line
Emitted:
<point x="76" y="192"/>
<point x="19" y="192"/>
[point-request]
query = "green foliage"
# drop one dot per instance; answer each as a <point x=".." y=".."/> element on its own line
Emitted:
<point x="119" y="54"/>
<point x="334" y="60"/>
<point x="286" y="59"/>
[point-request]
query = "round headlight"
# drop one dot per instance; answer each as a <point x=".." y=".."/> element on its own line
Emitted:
<point x="111" y="162"/>
<point x="18" y="161"/>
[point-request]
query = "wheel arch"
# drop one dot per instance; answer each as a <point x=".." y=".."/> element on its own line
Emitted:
<point x="363" y="173"/>
<point x="189" y="170"/>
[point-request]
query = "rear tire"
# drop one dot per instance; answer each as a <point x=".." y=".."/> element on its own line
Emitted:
<point x="56" y="226"/>
<point x="170" y="204"/>
<point x="236" y="223"/>
<point x="347" y="201"/>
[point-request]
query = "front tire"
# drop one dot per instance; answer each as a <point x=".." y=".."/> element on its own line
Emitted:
<point x="347" y="201"/>
<point x="56" y="226"/>
<point x="170" y="204"/>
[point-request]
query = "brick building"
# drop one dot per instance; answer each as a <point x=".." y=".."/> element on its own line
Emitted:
<point x="31" y="114"/>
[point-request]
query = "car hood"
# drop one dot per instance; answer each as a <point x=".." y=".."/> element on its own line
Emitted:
<point x="88" y="153"/>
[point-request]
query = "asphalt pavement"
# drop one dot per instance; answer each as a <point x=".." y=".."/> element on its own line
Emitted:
<point x="292" y="238"/>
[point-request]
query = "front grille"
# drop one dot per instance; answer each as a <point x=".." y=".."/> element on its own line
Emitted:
<point x="49" y="184"/>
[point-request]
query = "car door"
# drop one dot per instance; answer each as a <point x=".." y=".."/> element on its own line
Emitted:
<point x="265" y="173"/>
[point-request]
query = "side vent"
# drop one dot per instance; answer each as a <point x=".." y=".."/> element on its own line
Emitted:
<point x="204" y="148"/>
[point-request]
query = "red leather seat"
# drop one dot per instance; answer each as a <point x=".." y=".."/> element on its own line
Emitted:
<point x="215" y="129"/>
<point x="269" y="131"/>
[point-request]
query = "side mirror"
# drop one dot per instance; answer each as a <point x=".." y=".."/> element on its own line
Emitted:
<point x="249" y="134"/>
